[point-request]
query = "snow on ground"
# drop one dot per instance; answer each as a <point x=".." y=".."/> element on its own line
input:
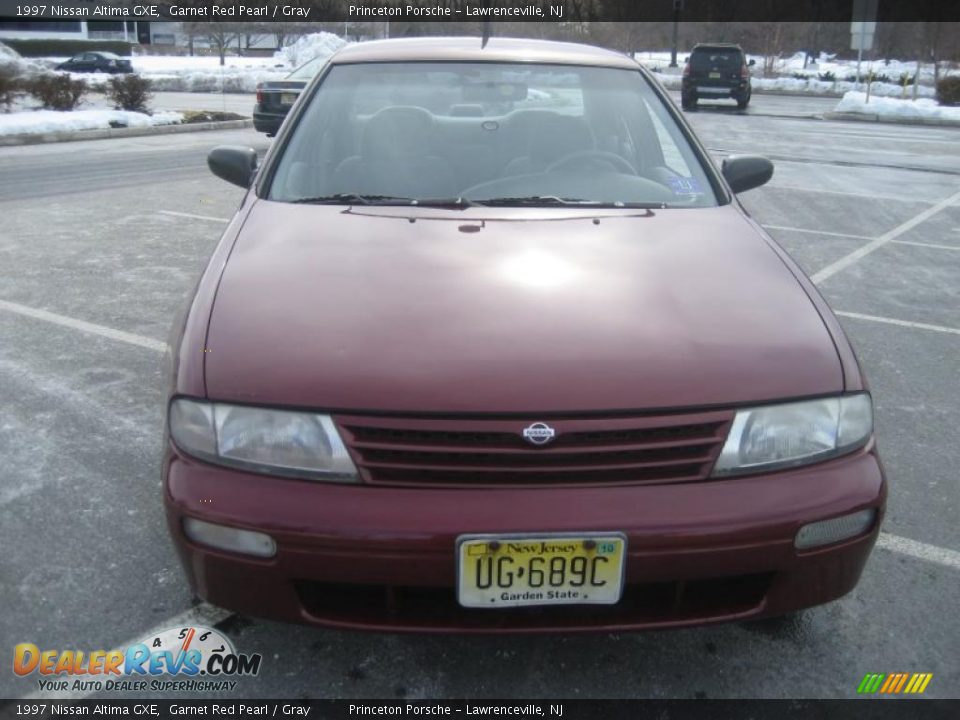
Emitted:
<point x="842" y="70"/>
<point x="184" y="73"/>
<point x="46" y="121"/>
<point x="856" y="102"/>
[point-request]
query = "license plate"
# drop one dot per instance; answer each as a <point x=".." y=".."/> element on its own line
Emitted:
<point x="495" y="571"/>
<point x="288" y="98"/>
<point x="714" y="76"/>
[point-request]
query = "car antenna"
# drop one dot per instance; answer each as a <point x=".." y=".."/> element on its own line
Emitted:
<point x="487" y="29"/>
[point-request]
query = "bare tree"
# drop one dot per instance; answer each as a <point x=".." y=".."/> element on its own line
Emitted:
<point x="220" y="35"/>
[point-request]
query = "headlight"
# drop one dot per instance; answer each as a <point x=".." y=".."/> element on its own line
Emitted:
<point x="798" y="433"/>
<point x="278" y="442"/>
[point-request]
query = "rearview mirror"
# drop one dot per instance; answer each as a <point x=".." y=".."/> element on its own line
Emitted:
<point x="233" y="163"/>
<point x="745" y="172"/>
<point x="752" y="62"/>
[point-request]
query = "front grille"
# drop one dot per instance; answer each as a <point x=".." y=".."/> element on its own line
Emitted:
<point x="471" y="452"/>
<point x="643" y="604"/>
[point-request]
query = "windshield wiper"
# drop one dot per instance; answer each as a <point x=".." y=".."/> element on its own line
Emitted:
<point x="354" y="199"/>
<point x="545" y="200"/>
<point x="456" y="203"/>
<point x="533" y="200"/>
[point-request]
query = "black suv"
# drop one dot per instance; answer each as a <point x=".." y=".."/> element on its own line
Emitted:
<point x="715" y="72"/>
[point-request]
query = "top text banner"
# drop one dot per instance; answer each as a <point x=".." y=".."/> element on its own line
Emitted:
<point x="467" y="10"/>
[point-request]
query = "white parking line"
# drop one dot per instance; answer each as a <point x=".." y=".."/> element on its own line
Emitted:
<point x="901" y="323"/>
<point x="818" y="232"/>
<point x="824" y="191"/>
<point x="877" y="243"/>
<point x="174" y="213"/>
<point x="202" y="614"/>
<point x="919" y="550"/>
<point x="83" y="326"/>
<point x="927" y="245"/>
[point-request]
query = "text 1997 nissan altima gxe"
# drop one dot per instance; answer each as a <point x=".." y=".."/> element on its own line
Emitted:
<point x="491" y="346"/>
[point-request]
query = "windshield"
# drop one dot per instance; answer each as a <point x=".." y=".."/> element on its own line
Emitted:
<point x="713" y="57"/>
<point x="488" y="133"/>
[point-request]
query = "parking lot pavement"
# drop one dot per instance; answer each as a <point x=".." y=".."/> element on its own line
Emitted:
<point x="805" y="106"/>
<point x="102" y="242"/>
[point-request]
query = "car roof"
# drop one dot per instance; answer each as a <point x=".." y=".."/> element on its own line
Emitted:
<point x="467" y="49"/>
<point x="717" y="46"/>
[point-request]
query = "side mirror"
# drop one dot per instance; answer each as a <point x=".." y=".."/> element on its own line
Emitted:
<point x="233" y="163"/>
<point x="752" y="62"/>
<point x="686" y="59"/>
<point x="745" y="172"/>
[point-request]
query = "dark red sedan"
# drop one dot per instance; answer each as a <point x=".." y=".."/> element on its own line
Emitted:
<point x="491" y="345"/>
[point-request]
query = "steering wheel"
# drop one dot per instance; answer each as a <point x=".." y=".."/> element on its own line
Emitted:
<point x="610" y="158"/>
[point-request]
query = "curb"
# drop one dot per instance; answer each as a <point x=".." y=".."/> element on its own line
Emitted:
<point x="73" y="135"/>
<point x="873" y="117"/>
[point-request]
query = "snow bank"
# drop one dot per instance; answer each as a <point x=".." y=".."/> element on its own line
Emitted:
<point x="229" y="80"/>
<point x="46" y="121"/>
<point x="12" y="65"/>
<point x="308" y="47"/>
<point x="856" y="102"/>
<point x="811" y="86"/>
<point x="181" y="73"/>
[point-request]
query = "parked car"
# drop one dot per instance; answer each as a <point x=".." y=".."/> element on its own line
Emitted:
<point x="91" y="62"/>
<point x="715" y="72"/>
<point x="276" y="97"/>
<point x="530" y="367"/>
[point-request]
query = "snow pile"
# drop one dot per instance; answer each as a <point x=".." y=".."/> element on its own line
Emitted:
<point x="308" y="47"/>
<point x="47" y="121"/>
<point x="12" y="65"/>
<point x="856" y="102"/>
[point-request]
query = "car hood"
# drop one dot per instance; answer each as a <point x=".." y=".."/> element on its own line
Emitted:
<point x="376" y="308"/>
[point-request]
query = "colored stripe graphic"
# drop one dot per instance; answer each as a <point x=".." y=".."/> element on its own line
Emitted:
<point x="870" y="683"/>
<point x="894" y="683"/>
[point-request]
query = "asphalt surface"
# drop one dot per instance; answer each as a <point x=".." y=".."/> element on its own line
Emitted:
<point x="116" y="232"/>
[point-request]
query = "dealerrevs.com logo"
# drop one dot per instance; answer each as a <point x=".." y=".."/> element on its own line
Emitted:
<point x="202" y="659"/>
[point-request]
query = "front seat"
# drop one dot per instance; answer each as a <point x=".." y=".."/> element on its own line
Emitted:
<point x="396" y="157"/>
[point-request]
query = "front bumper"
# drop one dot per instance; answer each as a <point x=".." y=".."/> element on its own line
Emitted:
<point x="715" y="90"/>
<point x="382" y="558"/>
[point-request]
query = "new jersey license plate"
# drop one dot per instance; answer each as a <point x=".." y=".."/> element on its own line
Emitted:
<point x="496" y="571"/>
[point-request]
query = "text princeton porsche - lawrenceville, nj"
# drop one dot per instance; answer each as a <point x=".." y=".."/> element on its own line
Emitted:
<point x="443" y="709"/>
<point x="478" y="11"/>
